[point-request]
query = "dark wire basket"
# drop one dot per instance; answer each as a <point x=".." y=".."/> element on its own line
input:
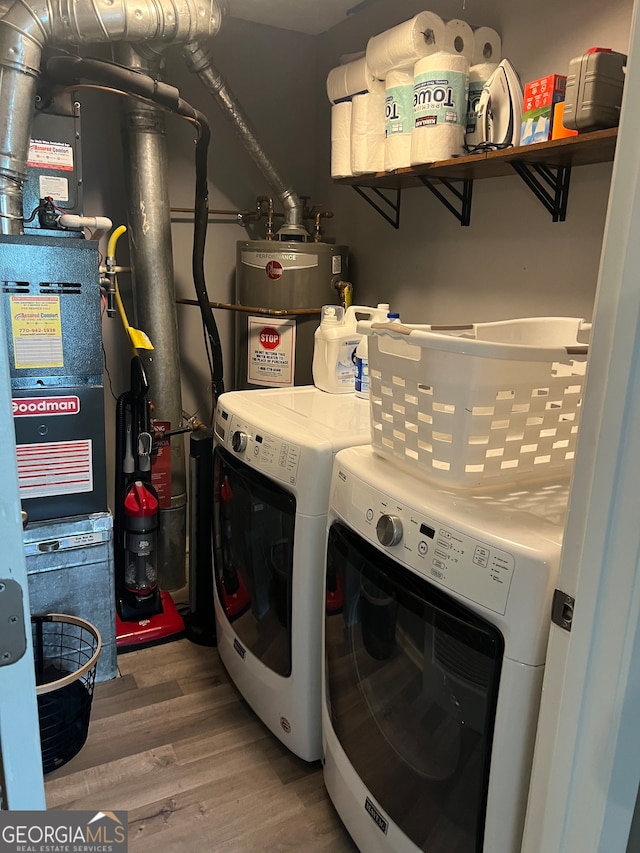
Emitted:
<point x="66" y="651"/>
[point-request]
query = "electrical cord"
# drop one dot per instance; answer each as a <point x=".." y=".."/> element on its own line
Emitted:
<point x="487" y="146"/>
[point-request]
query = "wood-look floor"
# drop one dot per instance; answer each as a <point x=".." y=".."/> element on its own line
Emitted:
<point x="173" y="743"/>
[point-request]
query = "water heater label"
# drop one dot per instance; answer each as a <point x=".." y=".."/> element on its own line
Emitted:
<point x="274" y="270"/>
<point x="271" y="352"/>
<point x="285" y="260"/>
<point x="37" y="331"/>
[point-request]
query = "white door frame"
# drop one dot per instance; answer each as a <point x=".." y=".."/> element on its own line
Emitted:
<point x="23" y="787"/>
<point x="587" y="762"/>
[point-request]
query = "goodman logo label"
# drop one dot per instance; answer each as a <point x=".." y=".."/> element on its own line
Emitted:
<point x="26" y="407"/>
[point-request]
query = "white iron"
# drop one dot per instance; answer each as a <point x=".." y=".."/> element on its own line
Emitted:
<point x="499" y="110"/>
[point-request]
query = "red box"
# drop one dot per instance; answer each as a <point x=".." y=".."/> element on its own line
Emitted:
<point x="544" y="92"/>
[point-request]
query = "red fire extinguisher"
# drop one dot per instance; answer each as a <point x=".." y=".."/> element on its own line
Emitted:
<point x="140" y="540"/>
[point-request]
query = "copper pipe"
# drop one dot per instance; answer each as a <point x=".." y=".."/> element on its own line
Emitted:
<point x="249" y="309"/>
<point x="209" y="212"/>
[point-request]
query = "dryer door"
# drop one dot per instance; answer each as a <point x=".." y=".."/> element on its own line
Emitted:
<point x="412" y="686"/>
<point x="254" y="520"/>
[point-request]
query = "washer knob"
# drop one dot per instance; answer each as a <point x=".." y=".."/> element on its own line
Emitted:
<point x="389" y="529"/>
<point x="239" y="441"/>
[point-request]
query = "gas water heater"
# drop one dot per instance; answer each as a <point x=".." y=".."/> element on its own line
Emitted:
<point x="274" y="349"/>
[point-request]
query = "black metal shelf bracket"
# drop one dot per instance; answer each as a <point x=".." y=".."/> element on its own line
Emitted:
<point x="557" y="178"/>
<point x="463" y="212"/>
<point x="393" y="205"/>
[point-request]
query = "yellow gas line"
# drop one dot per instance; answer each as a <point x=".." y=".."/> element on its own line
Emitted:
<point x="139" y="339"/>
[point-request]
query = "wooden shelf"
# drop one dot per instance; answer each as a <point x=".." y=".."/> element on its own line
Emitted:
<point x="582" y="150"/>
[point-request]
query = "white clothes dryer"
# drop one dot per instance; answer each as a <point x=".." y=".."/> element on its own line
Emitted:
<point x="433" y="668"/>
<point x="273" y="456"/>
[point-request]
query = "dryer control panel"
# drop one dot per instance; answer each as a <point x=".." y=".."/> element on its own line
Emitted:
<point x="466" y="564"/>
<point x="270" y="455"/>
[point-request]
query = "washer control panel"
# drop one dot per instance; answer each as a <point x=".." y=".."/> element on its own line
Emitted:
<point x="267" y="453"/>
<point x="431" y="546"/>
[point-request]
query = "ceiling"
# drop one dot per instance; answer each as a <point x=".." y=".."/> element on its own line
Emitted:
<point x="303" y="16"/>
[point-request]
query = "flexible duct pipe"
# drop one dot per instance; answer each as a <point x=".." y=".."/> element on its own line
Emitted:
<point x="200" y="63"/>
<point x="29" y="25"/>
<point x="19" y="71"/>
<point x="146" y="174"/>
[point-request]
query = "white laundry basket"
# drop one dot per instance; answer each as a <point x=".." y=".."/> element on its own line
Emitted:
<point x="478" y="404"/>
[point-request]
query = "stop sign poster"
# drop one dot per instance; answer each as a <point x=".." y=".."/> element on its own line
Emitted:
<point x="272" y="351"/>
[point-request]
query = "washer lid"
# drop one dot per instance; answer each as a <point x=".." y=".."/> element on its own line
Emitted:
<point x="303" y="414"/>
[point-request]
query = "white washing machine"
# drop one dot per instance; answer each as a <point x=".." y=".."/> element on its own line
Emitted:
<point x="273" y="456"/>
<point x="433" y="667"/>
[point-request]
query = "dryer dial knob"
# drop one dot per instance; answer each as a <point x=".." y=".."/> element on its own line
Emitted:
<point x="389" y="529"/>
<point x="239" y="441"/>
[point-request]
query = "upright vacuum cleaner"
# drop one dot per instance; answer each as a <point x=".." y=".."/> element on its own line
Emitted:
<point x="145" y="615"/>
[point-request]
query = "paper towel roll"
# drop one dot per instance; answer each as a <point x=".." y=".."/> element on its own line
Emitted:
<point x="478" y="76"/>
<point x="458" y="39"/>
<point x="440" y="97"/>
<point x="367" y="134"/>
<point x="341" y="139"/>
<point x="352" y="78"/>
<point x="403" y="45"/>
<point x="487" y="46"/>
<point x="398" y="119"/>
<point x="350" y="57"/>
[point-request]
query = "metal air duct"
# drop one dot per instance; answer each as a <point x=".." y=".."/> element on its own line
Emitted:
<point x="30" y="25"/>
<point x="200" y="63"/>
<point x="146" y="168"/>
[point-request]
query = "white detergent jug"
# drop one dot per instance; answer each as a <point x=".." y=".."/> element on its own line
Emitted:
<point x="334" y="349"/>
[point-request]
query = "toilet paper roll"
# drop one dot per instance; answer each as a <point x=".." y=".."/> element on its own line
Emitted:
<point x="398" y="119"/>
<point x="352" y="78"/>
<point x="403" y="45"/>
<point x="458" y="39"/>
<point x="440" y="97"/>
<point x="341" y="139"/>
<point x="478" y="76"/>
<point x="487" y="46"/>
<point x="367" y="133"/>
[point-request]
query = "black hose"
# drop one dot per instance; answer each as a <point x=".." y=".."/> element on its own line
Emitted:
<point x="200" y="222"/>
<point x="70" y="69"/>
<point x="67" y="70"/>
<point x="119" y="486"/>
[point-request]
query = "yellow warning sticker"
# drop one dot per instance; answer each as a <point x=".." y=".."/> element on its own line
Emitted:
<point x="37" y="331"/>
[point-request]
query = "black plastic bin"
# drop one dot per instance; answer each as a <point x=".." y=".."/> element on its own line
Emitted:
<point x="66" y="651"/>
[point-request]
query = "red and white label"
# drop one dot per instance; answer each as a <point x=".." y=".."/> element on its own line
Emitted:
<point x="54" y="468"/>
<point x="27" y="407"/>
<point x="269" y="338"/>
<point x="271" y="352"/>
<point x="161" y="468"/>
<point x="44" y="154"/>
<point x="274" y="270"/>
